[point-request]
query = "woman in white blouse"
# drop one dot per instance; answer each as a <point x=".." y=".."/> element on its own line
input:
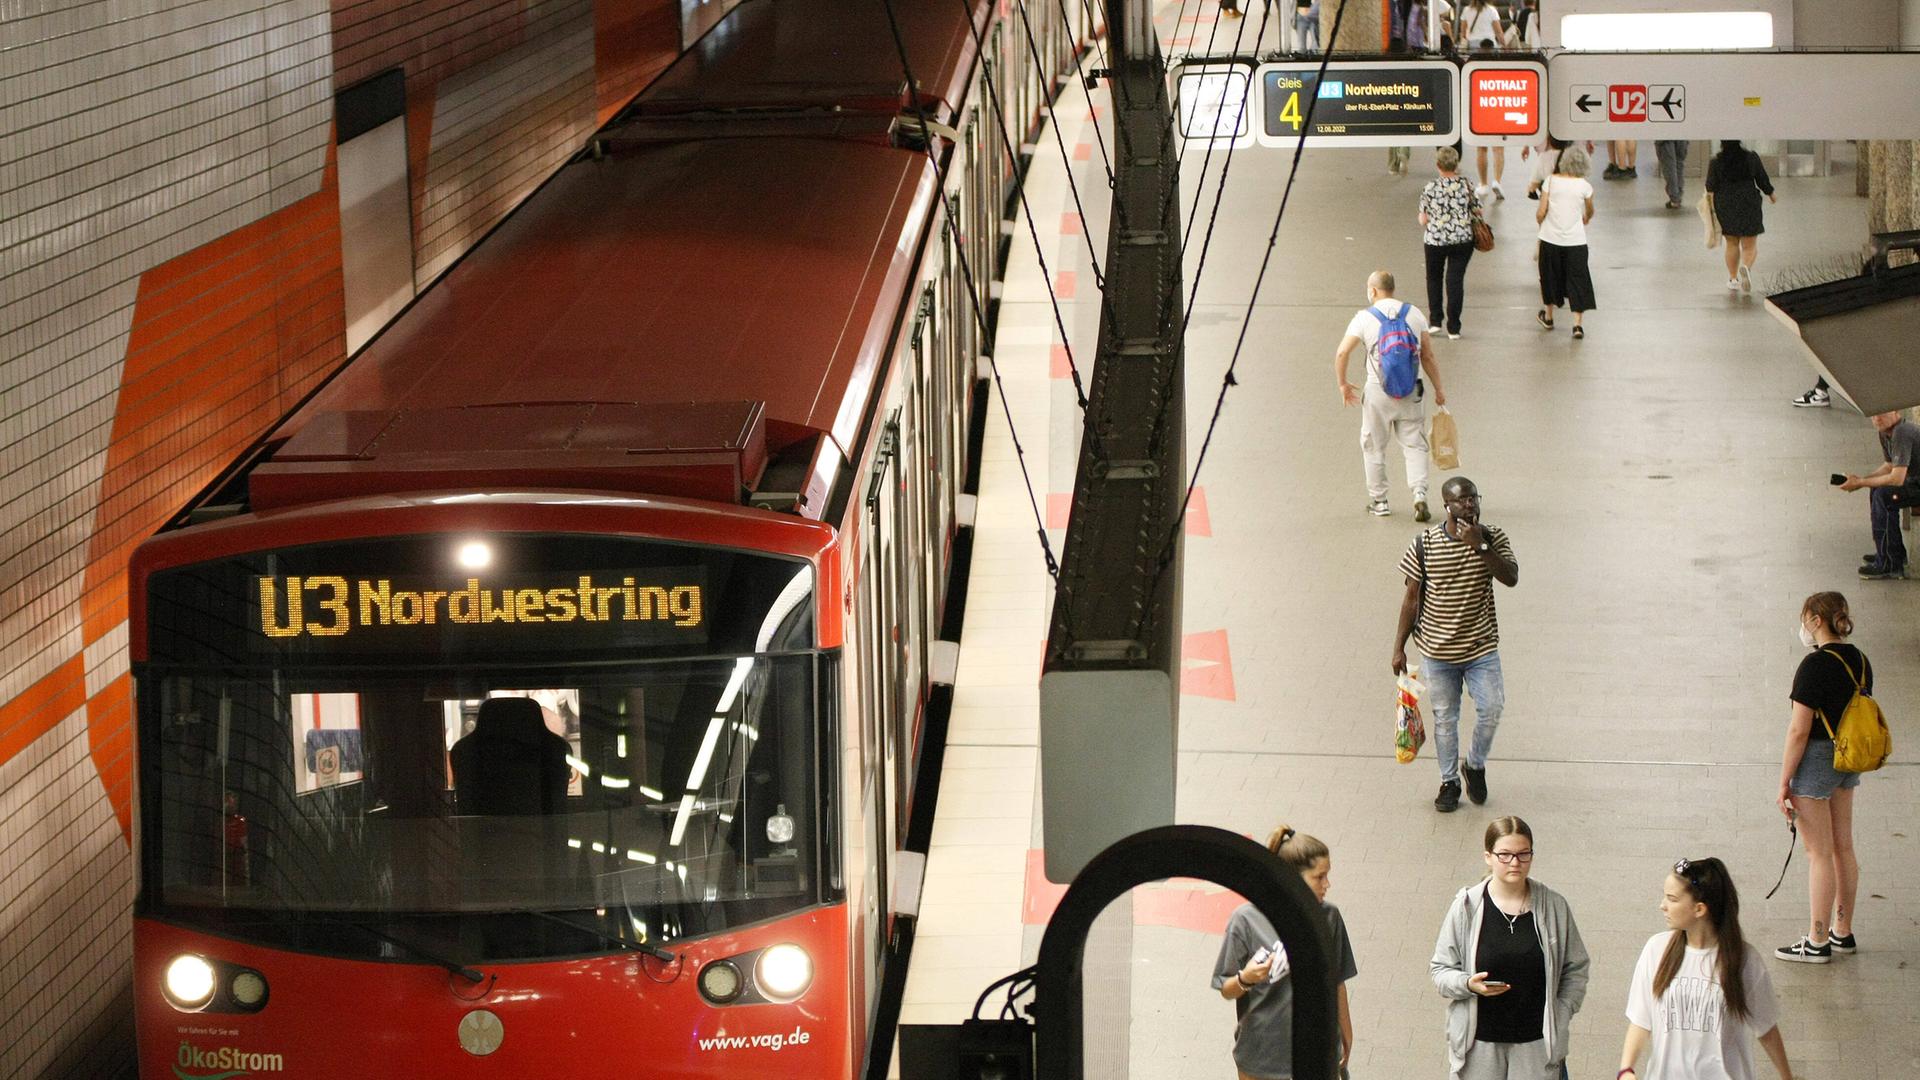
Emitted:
<point x="1566" y="205"/>
<point x="1701" y="995"/>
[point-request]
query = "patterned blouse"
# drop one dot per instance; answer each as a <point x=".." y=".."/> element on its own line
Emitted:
<point x="1450" y="206"/>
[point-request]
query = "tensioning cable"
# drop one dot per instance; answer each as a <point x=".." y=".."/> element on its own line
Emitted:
<point x="966" y="271"/>
<point x="1273" y="237"/>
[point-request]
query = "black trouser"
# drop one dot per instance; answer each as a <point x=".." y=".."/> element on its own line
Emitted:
<point x="1447" y="263"/>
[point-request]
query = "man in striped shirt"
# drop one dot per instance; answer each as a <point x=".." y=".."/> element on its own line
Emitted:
<point x="1448" y="609"/>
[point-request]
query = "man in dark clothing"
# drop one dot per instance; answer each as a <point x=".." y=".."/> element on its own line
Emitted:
<point x="1888" y="492"/>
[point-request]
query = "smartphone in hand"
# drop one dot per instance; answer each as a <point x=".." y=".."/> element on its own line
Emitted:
<point x="1837" y="479"/>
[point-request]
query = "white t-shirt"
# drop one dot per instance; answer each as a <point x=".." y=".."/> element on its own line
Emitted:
<point x="1565" y="223"/>
<point x="1694" y="1037"/>
<point x="1476" y="25"/>
<point x="1367" y="328"/>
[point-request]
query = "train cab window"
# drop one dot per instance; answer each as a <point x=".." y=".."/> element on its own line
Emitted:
<point x="492" y="804"/>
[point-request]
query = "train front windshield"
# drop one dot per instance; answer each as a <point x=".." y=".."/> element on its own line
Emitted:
<point x="475" y="749"/>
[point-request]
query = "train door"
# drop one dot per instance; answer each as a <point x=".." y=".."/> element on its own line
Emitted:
<point x="886" y="656"/>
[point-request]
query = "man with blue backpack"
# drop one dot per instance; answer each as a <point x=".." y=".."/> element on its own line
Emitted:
<point x="1391" y="405"/>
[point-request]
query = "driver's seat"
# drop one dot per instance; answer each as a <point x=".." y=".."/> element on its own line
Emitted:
<point x="511" y="764"/>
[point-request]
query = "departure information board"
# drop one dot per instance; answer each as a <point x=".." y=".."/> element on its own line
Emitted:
<point x="1406" y="103"/>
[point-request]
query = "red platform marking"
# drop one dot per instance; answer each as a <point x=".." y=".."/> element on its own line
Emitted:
<point x="1206" y="666"/>
<point x="1203" y="909"/>
<point x="1182" y="903"/>
<point x="1198" y="523"/>
<point x="1069" y="224"/>
<point x="1059" y="367"/>
<point x="1065" y="284"/>
<point x="1042" y="896"/>
<point x="1083" y="152"/>
<point x="1059" y="507"/>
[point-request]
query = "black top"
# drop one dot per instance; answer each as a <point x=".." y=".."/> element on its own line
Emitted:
<point x="1511" y="953"/>
<point x="1737" y="202"/>
<point x="1823" y="685"/>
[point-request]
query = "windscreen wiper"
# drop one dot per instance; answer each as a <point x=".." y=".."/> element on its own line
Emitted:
<point x="453" y="966"/>
<point x="654" y="951"/>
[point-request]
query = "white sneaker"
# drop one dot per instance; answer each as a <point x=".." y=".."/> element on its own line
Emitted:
<point x="1482" y="191"/>
<point x="1733" y="284"/>
<point x="1497" y="192"/>
<point x="1746" y="280"/>
<point x="1379" y="508"/>
<point x="1813" y="399"/>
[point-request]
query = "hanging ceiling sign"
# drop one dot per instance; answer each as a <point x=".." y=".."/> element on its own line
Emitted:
<point x="1734" y="95"/>
<point x="1503" y="101"/>
<point x="1211" y="101"/>
<point x="1401" y="103"/>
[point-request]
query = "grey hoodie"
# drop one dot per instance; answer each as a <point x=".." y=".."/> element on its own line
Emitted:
<point x="1459" y="942"/>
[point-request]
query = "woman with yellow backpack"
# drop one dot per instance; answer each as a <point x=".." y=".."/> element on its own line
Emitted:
<point x="1826" y="752"/>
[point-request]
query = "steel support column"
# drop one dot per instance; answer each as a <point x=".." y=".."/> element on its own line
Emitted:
<point x="1110" y="691"/>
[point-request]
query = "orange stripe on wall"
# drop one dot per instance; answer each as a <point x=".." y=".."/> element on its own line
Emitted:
<point x="224" y="340"/>
<point x="34" y="711"/>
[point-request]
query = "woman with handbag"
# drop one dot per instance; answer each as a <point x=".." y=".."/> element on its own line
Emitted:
<point x="1701" y="995"/>
<point x="1815" y="797"/>
<point x="1510" y="962"/>
<point x="1449" y="213"/>
<point x="1566" y="205"/>
<point x="1251" y="970"/>
<point x="1736" y="179"/>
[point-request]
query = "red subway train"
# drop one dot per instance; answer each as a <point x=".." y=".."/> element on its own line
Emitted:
<point x="541" y="697"/>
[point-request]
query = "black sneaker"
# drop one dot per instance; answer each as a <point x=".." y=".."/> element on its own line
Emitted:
<point x="1845" y="945"/>
<point x="1420" y="512"/>
<point x="1879" y="571"/>
<point x="1449" y="798"/>
<point x="1805" y="951"/>
<point x="1813" y="399"/>
<point x="1476" y="784"/>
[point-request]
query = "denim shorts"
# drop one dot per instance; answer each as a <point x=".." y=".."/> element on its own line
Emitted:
<point x="1816" y="778"/>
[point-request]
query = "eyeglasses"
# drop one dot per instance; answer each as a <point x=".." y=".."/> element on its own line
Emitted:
<point x="1511" y="857"/>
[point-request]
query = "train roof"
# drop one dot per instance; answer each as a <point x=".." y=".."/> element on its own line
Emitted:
<point x="720" y="288"/>
<point x="827" y="53"/>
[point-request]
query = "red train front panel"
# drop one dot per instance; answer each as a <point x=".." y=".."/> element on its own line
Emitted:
<point x="623" y="1015"/>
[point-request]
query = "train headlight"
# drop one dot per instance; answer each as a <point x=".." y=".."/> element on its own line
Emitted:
<point x="784" y="972"/>
<point x="720" y="981"/>
<point x="248" y="989"/>
<point x="189" y="983"/>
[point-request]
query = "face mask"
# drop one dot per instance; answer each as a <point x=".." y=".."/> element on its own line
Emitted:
<point x="1806" y="637"/>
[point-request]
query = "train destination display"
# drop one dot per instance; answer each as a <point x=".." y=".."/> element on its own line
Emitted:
<point x="661" y="607"/>
<point x="1408" y="103"/>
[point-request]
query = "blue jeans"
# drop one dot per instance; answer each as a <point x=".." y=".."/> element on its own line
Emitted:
<point x="1888" y="545"/>
<point x="1306" y="34"/>
<point x="1482" y="679"/>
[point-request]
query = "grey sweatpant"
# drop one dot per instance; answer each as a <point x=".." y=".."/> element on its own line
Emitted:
<point x="1509" y="1061"/>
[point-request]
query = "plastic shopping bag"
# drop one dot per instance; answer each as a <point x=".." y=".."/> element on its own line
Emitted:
<point x="1409" y="733"/>
<point x="1445" y="440"/>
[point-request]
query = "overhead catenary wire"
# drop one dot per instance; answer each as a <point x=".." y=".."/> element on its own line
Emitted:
<point x="1220" y="190"/>
<point x="1080" y="76"/>
<point x="1193" y="214"/>
<point x="1227" y="382"/>
<point x="1033" y="231"/>
<point x="966" y="272"/>
<point x="1066" y="160"/>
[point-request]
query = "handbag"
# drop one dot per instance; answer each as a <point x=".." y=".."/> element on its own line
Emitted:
<point x="1445" y="442"/>
<point x="1482" y="235"/>
<point x="1709" y="218"/>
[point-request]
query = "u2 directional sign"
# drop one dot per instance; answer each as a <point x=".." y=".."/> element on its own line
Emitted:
<point x="1626" y="103"/>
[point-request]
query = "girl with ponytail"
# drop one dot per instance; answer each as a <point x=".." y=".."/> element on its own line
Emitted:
<point x="1700" y="994"/>
<point x="1252" y="971"/>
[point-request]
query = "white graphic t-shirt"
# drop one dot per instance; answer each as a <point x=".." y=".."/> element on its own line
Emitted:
<point x="1694" y="1037"/>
